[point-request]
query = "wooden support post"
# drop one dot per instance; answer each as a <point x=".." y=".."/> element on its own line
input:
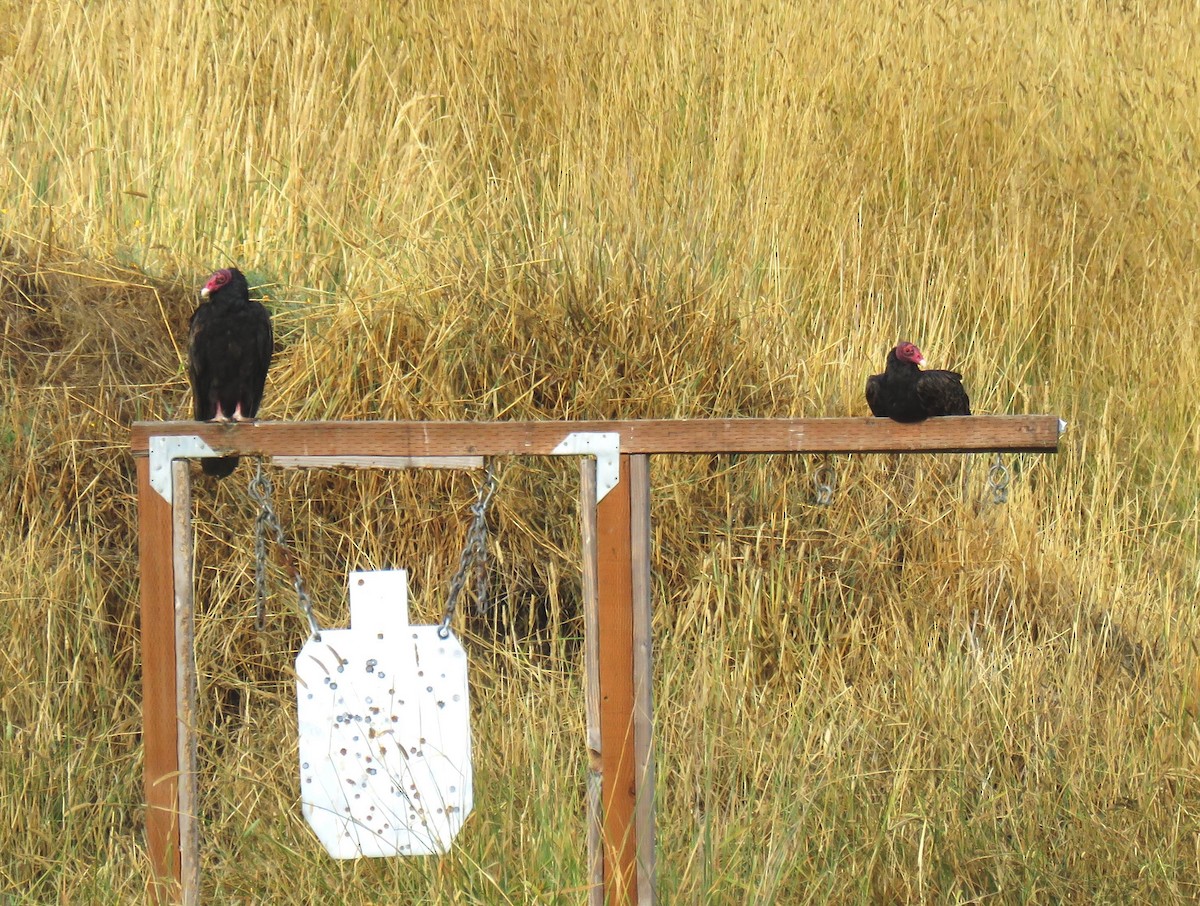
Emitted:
<point x="643" y="675"/>
<point x="159" y="737"/>
<point x="609" y="653"/>
<point x="185" y="685"/>
<point x="591" y="669"/>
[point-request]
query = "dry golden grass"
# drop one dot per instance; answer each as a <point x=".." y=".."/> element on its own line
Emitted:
<point x="514" y="210"/>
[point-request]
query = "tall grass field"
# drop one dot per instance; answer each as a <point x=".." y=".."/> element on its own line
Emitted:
<point x="516" y="209"/>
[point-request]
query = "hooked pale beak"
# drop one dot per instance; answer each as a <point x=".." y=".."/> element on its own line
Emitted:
<point x="204" y="293"/>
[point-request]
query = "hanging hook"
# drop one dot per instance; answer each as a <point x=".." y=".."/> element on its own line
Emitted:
<point x="998" y="477"/>
<point x="824" y="482"/>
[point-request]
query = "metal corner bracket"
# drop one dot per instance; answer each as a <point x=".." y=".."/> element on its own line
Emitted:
<point x="164" y="449"/>
<point x="605" y="446"/>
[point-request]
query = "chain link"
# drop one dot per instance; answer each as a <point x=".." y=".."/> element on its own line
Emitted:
<point x="998" y="477"/>
<point x="474" y="556"/>
<point x="260" y="491"/>
<point x="825" y="482"/>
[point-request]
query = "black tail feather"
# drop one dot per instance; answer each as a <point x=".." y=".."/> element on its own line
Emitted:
<point x="219" y="468"/>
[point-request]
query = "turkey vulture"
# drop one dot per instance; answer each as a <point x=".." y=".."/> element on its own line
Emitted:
<point x="229" y="351"/>
<point x="907" y="394"/>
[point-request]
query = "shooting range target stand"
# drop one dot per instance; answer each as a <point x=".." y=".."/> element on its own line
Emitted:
<point x="615" y="528"/>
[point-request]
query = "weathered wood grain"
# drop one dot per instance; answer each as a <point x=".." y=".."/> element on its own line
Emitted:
<point x="159" y="736"/>
<point x="975" y="433"/>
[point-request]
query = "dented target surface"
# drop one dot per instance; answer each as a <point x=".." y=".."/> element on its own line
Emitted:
<point x="385" y="740"/>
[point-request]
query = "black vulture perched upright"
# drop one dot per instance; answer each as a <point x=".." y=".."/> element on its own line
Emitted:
<point x="907" y="394"/>
<point x="229" y="351"/>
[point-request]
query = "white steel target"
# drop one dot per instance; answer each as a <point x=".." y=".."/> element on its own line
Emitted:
<point x="384" y="728"/>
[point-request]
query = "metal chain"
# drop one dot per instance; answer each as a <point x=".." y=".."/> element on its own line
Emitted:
<point x="260" y="554"/>
<point x="474" y="556"/>
<point x="260" y="492"/>
<point x="998" y="480"/>
<point x="825" y="482"/>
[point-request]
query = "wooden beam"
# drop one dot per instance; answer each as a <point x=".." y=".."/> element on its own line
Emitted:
<point x="1000" y="433"/>
<point x="159" y="738"/>
<point x="378" y="462"/>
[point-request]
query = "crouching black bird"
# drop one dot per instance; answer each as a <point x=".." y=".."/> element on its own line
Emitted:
<point x="229" y="351"/>
<point x="907" y="394"/>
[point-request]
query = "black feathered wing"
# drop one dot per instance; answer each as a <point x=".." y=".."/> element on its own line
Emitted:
<point x="203" y="405"/>
<point x="260" y="361"/>
<point x="877" y="396"/>
<point x="942" y="393"/>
